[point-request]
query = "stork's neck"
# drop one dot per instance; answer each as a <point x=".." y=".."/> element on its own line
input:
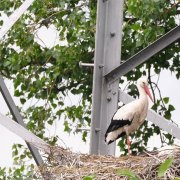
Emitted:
<point x="142" y="94"/>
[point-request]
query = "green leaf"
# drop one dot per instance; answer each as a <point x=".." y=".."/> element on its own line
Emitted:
<point x="22" y="100"/>
<point x="128" y="173"/>
<point x="164" y="167"/>
<point x="7" y="63"/>
<point x="135" y="27"/>
<point x="2" y="171"/>
<point x="17" y="93"/>
<point x="89" y="177"/>
<point x="50" y="121"/>
<point x="171" y="108"/>
<point x="176" y="178"/>
<point x="84" y="135"/>
<point x="66" y="127"/>
<point x="1" y="22"/>
<point x="167" y="115"/>
<point x="54" y="105"/>
<point x="166" y="100"/>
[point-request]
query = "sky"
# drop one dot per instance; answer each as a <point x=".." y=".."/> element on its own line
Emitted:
<point x="168" y="85"/>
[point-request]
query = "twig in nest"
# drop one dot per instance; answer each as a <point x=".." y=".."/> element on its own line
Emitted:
<point x="152" y="156"/>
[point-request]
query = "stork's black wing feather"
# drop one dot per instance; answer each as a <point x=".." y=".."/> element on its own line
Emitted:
<point x="116" y="124"/>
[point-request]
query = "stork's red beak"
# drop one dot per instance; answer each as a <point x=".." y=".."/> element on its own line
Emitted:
<point x="148" y="93"/>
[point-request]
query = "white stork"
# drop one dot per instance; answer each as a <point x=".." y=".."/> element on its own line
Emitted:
<point x="128" y="118"/>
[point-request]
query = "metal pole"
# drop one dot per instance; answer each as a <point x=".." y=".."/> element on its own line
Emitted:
<point x="18" y="118"/>
<point x="107" y="57"/>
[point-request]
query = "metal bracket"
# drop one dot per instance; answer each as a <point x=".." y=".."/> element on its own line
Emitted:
<point x="81" y="64"/>
<point x="82" y="129"/>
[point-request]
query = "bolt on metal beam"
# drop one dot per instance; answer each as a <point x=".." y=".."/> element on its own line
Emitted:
<point x="144" y="55"/>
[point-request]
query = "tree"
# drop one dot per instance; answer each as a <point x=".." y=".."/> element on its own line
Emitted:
<point x="48" y="75"/>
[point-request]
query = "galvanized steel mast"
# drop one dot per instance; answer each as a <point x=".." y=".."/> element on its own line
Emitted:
<point x="107" y="58"/>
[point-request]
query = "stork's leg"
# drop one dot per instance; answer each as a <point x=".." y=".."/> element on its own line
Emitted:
<point x="128" y="140"/>
<point x="129" y="145"/>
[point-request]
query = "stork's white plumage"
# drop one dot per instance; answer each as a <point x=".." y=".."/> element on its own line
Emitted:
<point x="129" y="118"/>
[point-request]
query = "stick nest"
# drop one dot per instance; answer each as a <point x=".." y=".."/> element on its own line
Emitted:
<point x="63" y="164"/>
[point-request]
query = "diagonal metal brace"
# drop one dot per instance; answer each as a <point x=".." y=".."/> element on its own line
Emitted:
<point x="23" y="133"/>
<point x="18" y="118"/>
<point x="144" y="54"/>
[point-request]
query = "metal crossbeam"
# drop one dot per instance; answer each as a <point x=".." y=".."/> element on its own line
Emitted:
<point x="14" y="17"/>
<point x="155" y="118"/>
<point x="145" y="54"/>
<point x="24" y="133"/>
<point x="18" y="118"/>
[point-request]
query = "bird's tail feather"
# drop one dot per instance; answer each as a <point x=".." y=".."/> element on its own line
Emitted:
<point x="110" y="139"/>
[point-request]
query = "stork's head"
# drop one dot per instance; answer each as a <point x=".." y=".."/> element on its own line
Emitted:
<point x="143" y="83"/>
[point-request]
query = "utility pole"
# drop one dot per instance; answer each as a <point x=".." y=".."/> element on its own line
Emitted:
<point x="107" y="57"/>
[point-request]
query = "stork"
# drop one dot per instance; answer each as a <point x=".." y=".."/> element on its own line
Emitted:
<point x="129" y="118"/>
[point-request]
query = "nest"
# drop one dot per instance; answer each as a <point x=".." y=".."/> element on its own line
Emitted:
<point x="66" y="165"/>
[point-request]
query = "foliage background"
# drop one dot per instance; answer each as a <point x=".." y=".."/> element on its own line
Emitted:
<point x="47" y="75"/>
